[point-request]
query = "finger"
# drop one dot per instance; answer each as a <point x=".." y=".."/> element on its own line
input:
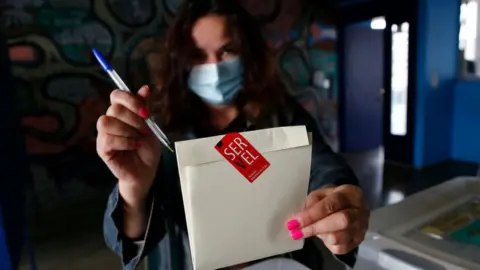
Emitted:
<point x="331" y="204"/>
<point x="323" y="192"/>
<point x="364" y="220"/>
<point x="107" y="144"/>
<point x="339" y="221"/>
<point x="128" y="117"/>
<point x="144" y="92"/>
<point x="113" y="126"/>
<point x="318" y="195"/>
<point x="359" y="237"/>
<point x="129" y="101"/>
<point x="313" y="198"/>
<point x="344" y="237"/>
<point x="354" y="194"/>
<point x="345" y="248"/>
<point x="341" y="249"/>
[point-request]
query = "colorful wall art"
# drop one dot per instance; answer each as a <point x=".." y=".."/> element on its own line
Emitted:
<point x="61" y="90"/>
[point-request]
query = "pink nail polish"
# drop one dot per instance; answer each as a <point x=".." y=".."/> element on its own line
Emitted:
<point x="293" y="224"/>
<point x="143" y="112"/>
<point x="296" y="234"/>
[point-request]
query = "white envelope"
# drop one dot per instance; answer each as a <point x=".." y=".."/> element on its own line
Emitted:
<point x="232" y="221"/>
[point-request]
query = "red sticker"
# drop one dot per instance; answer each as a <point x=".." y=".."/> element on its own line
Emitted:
<point x="242" y="155"/>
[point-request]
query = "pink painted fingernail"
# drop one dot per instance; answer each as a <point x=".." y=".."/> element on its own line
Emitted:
<point x="293" y="224"/>
<point x="143" y="112"/>
<point x="296" y="234"/>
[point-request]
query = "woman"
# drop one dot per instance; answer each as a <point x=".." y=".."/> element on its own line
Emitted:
<point x="217" y="77"/>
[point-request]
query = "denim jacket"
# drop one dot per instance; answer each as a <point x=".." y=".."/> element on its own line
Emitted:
<point x="166" y="233"/>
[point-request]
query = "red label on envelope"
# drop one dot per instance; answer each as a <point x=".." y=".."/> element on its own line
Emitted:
<point x="242" y="155"/>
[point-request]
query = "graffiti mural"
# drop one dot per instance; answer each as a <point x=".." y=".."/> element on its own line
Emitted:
<point x="61" y="90"/>
<point x="307" y="63"/>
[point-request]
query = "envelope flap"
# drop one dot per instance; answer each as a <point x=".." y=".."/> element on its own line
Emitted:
<point x="201" y="151"/>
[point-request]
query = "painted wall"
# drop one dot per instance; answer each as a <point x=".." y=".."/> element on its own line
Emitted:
<point x="437" y="62"/>
<point x="61" y="90"/>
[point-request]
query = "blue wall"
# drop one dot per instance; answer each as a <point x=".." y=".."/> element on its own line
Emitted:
<point x="466" y="130"/>
<point x="448" y="118"/>
<point x="437" y="54"/>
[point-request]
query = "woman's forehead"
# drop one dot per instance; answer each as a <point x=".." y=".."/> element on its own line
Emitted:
<point x="210" y="32"/>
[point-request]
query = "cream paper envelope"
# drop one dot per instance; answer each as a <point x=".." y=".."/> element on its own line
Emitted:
<point x="232" y="221"/>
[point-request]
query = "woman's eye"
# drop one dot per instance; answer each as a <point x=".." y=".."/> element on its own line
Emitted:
<point x="227" y="53"/>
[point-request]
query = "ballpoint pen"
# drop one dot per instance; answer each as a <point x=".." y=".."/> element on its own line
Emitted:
<point x="122" y="86"/>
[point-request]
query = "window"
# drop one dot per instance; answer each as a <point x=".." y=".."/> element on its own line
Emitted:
<point x="467" y="38"/>
<point x="399" y="79"/>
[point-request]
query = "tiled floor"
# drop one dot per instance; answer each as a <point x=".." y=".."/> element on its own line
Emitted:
<point x="81" y="246"/>
<point x="384" y="183"/>
<point x="82" y="251"/>
<point x="78" y="244"/>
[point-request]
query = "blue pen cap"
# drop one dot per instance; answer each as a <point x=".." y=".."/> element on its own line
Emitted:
<point x="105" y="65"/>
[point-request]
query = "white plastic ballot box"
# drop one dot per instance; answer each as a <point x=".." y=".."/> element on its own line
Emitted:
<point x="400" y="236"/>
<point x="239" y="190"/>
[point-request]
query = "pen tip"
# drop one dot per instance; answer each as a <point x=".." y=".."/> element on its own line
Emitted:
<point x="101" y="60"/>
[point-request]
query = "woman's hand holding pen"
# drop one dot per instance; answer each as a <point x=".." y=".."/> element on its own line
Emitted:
<point x="127" y="146"/>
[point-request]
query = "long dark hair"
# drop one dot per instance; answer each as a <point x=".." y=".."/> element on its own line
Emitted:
<point x="262" y="94"/>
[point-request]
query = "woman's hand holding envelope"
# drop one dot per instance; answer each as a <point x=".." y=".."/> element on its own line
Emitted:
<point x="337" y="215"/>
<point x="125" y="145"/>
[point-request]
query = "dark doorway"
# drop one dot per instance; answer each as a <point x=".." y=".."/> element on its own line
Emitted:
<point x="400" y="69"/>
<point x="377" y="79"/>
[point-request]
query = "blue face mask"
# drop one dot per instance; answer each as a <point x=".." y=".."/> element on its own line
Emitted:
<point x="219" y="83"/>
